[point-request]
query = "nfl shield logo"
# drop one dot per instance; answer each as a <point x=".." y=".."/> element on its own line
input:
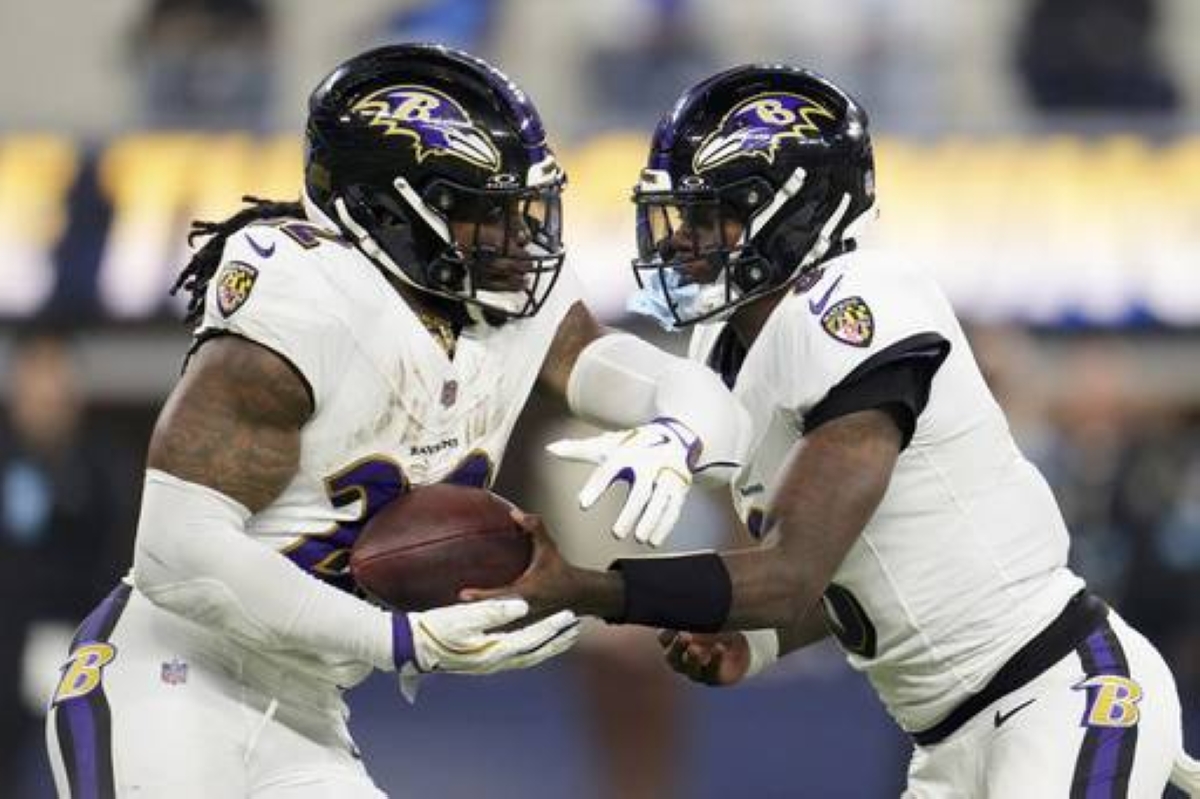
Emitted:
<point x="449" y="393"/>
<point x="174" y="672"/>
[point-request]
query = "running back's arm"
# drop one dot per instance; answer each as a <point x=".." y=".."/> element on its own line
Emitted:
<point x="225" y="446"/>
<point x="233" y="422"/>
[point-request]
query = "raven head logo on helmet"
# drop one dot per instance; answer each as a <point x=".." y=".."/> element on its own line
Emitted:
<point x="757" y="126"/>
<point x="435" y="165"/>
<point x="756" y="176"/>
<point x="437" y="124"/>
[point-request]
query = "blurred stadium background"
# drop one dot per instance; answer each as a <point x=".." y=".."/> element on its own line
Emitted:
<point x="1041" y="157"/>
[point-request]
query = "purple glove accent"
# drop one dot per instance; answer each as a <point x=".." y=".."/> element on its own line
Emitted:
<point x="686" y="437"/>
<point x="403" y="650"/>
<point x="626" y="475"/>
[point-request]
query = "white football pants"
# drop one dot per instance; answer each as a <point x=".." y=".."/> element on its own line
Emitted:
<point x="146" y="707"/>
<point x="1102" y="723"/>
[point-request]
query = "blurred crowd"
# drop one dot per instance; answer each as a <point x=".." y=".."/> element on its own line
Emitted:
<point x="921" y="66"/>
<point x="1124" y="461"/>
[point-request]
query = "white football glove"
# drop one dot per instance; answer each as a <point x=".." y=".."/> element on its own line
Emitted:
<point x="463" y="639"/>
<point x="657" y="460"/>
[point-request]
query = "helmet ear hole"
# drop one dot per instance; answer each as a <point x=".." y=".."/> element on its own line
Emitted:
<point x="442" y="199"/>
<point x="749" y="196"/>
<point x="447" y="274"/>
<point x="750" y="273"/>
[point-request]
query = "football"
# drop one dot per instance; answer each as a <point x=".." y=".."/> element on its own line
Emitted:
<point x="420" y="549"/>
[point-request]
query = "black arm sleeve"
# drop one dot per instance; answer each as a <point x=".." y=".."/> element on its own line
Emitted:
<point x="895" y="380"/>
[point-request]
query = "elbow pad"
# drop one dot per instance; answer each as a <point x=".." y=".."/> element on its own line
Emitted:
<point x="621" y="381"/>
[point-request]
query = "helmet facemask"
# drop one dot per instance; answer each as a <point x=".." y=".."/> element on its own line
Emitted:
<point x="704" y="252"/>
<point x="499" y="249"/>
<point x="435" y="165"/>
<point x="755" y="176"/>
<point x="694" y="260"/>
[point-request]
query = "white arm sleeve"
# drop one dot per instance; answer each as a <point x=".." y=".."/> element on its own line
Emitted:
<point x="620" y="381"/>
<point x="193" y="557"/>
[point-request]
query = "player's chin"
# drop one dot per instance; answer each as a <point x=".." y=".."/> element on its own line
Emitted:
<point x="505" y="277"/>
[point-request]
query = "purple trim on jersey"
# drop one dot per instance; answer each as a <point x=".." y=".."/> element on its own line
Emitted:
<point x="403" y="649"/>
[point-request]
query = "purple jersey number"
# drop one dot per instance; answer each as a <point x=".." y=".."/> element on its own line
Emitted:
<point x="375" y="482"/>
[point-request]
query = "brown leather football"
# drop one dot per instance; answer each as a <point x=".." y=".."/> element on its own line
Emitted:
<point x="420" y="549"/>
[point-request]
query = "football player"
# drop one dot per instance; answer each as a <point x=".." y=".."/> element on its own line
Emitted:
<point x="382" y="335"/>
<point x="895" y="511"/>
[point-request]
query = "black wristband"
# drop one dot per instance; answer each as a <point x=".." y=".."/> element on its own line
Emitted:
<point x="689" y="592"/>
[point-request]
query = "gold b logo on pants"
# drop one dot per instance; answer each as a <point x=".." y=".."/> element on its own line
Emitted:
<point x="81" y="674"/>
<point x="1112" y="701"/>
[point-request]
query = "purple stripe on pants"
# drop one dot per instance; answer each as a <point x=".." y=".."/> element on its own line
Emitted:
<point x="1106" y="659"/>
<point x="1109" y="749"/>
<point x="99" y="623"/>
<point x="81" y="722"/>
<point x="1103" y="776"/>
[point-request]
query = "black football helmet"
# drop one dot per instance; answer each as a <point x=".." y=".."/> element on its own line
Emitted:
<point x="435" y="164"/>
<point x="755" y="176"/>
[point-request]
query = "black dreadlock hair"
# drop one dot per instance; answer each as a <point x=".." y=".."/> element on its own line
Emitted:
<point x="195" y="276"/>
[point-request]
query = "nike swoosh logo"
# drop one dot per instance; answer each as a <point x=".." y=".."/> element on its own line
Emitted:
<point x="264" y="252"/>
<point x="1003" y="717"/>
<point x="819" y="306"/>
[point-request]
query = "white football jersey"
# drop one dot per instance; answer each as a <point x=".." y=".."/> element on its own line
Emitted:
<point x="391" y="408"/>
<point x="965" y="559"/>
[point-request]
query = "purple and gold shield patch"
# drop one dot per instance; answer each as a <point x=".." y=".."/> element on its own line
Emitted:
<point x="234" y="284"/>
<point x="850" y="322"/>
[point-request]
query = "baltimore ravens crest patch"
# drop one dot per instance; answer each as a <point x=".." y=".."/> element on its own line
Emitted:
<point x="850" y="322"/>
<point x="234" y="285"/>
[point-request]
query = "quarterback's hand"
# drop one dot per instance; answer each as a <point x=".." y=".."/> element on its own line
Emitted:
<point x="711" y="659"/>
<point x="549" y="583"/>
<point x="656" y="459"/>
<point x="466" y="639"/>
